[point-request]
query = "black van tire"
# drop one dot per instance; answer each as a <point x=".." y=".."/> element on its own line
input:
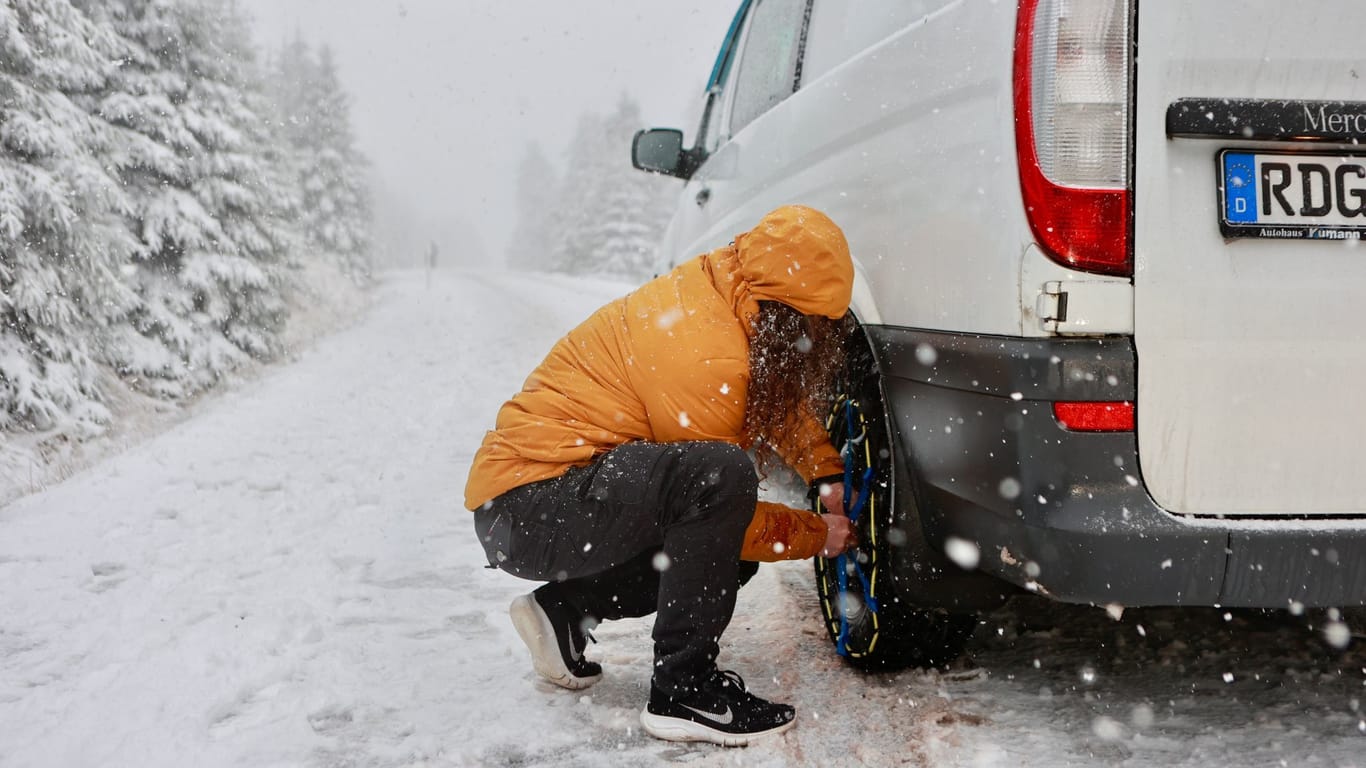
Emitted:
<point x="892" y="553"/>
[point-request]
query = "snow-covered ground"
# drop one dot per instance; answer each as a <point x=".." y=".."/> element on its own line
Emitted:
<point x="287" y="578"/>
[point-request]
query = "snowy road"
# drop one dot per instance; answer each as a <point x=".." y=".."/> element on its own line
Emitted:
<point x="288" y="579"/>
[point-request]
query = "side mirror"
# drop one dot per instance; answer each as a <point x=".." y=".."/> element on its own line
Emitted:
<point x="660" y="150"/>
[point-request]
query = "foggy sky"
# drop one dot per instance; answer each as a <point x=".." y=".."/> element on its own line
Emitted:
<point x="446" y="93"/>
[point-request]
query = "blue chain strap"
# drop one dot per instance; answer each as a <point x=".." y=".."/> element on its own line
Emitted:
<point x="852" y="511"/>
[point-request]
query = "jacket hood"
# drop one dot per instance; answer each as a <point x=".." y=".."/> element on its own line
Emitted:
<point x="798" y="256"/>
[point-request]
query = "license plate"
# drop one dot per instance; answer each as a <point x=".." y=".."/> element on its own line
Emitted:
<point x="1292" y="195"/>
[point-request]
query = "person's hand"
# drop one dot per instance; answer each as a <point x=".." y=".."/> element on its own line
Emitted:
<point x="840" y="536"/>
<point x="832" y="498"/>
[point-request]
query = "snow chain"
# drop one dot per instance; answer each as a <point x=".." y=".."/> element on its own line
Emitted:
<point x="854" y="445"/>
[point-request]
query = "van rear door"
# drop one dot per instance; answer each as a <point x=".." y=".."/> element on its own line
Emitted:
<point x="1249" y="274"/>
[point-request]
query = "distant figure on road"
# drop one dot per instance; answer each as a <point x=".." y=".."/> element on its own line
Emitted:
<point x="619" y="474"/>
<point x="432" y="253"/>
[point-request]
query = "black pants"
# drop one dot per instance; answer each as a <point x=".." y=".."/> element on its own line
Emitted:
<point x="647" y="528"/>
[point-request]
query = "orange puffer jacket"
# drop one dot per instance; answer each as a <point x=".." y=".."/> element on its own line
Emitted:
<point x="670" y="362"/>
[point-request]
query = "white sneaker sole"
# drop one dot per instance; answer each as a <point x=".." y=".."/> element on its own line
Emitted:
<point x="677" y="729"/>
<point x="535" y="630"/>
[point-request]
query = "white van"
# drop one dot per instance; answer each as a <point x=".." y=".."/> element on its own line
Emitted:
<point x="1112" y="305"/>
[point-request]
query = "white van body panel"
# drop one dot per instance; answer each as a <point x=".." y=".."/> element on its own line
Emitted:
<point x="1251" y="352"/>
<point x="940" y="242"/>
<point x="1008" y="382"/>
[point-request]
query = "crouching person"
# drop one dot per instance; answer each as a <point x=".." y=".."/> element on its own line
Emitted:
<point x="621" y="474"/>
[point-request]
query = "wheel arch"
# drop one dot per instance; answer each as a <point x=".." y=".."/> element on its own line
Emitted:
<point x="924" y="574"/>
<point x="862" y="304"/>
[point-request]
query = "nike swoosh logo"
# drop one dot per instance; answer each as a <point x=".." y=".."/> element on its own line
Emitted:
<point x="724" y="718"/>
<point x="574" y="653"/>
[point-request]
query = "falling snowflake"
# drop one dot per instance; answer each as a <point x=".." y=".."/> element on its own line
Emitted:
<point x="963" y="552"/>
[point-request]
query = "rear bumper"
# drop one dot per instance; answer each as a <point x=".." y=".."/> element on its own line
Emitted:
<point x="1066" y="513"/>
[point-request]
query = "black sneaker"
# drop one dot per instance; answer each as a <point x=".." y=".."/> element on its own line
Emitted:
<point x="720" y="711"/>
<point x="556" y="638"/>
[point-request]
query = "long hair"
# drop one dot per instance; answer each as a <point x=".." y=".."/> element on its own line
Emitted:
<point x="795" y="362"/>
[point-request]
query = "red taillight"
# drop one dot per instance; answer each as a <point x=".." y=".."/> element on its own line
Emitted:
<point x="1072" y="78"/>
<point x="1095" y="417"/>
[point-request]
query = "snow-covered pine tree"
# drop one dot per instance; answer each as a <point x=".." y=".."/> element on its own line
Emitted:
<point x="186" y="102"/>
<point x="609" y="217"/>
<point x="147" y="203"/>
<point x="587" y="171"/>
<point x="316" y="116"/>
<point x="531" y="246"/>
<point x="229" y="114"/>
<point x="62" y="239"/>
